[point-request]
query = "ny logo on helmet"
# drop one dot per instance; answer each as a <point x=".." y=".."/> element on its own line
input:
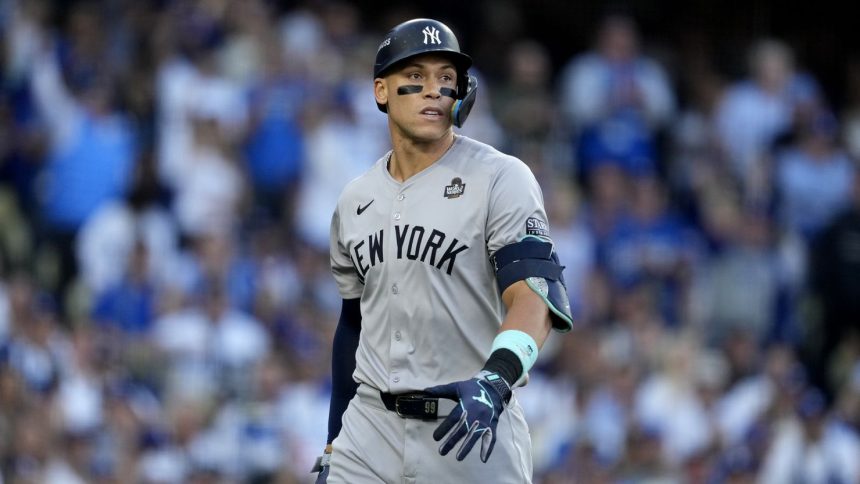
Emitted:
<point x="431" y="35"/>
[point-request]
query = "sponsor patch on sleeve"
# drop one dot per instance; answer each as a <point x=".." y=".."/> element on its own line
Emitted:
<point x="536" y="226"/>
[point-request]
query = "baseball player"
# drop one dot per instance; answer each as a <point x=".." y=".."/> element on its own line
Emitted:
<point x="450" y="286"/>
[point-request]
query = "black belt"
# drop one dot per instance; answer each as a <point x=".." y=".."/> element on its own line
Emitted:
<point x="412" y="405"/>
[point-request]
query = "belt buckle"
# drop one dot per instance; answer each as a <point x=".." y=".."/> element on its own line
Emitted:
<point x="397" y="400"/>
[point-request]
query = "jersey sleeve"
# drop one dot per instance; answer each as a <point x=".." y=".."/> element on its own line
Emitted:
<point x="348" y="281"/>
<point x="516" y="212"/>
<point x="516" y="208"/>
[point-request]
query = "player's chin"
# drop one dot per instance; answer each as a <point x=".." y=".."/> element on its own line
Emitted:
<point x="431" y="131"/>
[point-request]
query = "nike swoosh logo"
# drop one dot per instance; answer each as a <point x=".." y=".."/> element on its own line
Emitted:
<point x="362" y="209"/>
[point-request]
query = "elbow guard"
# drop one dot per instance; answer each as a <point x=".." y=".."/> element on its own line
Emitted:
<point x="535" y="261"/>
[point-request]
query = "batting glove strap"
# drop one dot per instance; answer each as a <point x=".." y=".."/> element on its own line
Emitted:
<point x="498" y="383"/>
<point x="481" y="399"/>
<point x="321" y="462"/>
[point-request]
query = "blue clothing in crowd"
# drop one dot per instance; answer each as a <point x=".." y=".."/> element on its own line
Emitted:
<point x="275" y="147"/>
<point x="93" y="167"/>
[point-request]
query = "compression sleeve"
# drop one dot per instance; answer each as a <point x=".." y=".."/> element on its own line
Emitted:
<point x="343" y="364"/>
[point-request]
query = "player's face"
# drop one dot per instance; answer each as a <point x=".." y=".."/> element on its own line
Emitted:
<point x="419" y="97"/>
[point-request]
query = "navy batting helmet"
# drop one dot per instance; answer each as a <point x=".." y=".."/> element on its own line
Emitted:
<point x="421" y="36"/>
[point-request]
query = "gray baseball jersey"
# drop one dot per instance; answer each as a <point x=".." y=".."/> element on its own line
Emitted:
<point x="417" y="253"/>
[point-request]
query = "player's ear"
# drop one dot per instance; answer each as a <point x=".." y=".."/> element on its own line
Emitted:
<point x="380" y="91"/>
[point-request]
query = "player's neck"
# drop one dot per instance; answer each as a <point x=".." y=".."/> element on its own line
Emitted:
<point x="410" y="157"/>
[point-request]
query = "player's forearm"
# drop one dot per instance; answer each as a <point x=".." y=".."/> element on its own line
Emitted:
<point x="343" y="364"/>
<point x="521" y="335"/>
<point x="527" y="312"/>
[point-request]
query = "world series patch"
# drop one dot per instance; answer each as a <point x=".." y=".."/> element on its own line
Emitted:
<point x="536" y="226"/>
<point x="455" y="189"/>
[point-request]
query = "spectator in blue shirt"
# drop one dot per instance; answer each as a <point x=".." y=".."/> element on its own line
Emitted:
<point x="128" y="307"/>
<point x="274" y="148"/>
<point x="649" y="245"/>
<point x="90" y="157"/>
<point x="813" y="177"/>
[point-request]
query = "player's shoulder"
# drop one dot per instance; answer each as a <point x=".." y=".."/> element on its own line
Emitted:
<point x="487" y="157"/>
<point x="503" y="170"/>
<point x="365" y="183"/>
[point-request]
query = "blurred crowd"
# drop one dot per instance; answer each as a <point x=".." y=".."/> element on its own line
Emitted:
<point x="168" y="170"/>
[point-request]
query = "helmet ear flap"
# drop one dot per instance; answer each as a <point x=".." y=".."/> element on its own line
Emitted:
<point x="462" y="106"/>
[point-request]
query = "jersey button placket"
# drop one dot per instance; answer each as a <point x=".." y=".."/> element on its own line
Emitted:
<point x="399" y="198"/>
<point x="397" y="361"/>
<point x="397" y="345"/>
